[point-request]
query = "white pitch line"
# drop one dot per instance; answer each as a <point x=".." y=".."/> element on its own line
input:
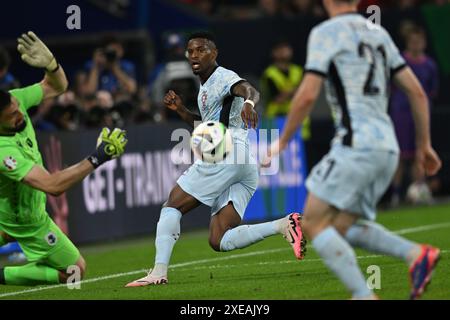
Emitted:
<point x="235" y="256"/>
<point x="423" y="228"/>
<point x="117" y="275"/>
<point x="264" y="263"/>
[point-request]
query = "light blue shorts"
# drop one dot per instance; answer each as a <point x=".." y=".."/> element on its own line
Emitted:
<point x="216" y="185"/>
<point x="353" y="180"/>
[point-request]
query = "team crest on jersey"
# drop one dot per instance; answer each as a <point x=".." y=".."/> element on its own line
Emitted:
<point x="10" y="163"/>
<point x="204" y="98"/>
<point x="51" y="238"/>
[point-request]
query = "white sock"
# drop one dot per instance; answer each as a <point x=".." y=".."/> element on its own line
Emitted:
<point x="243" y="236"/>
<point x="167" y="234"/>
<point x="159" y="270"/>
<point x="340" y="258"/>
<point x="375" y="238"/>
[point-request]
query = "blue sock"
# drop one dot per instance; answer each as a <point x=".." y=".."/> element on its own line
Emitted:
<point x="243" y="236"/>
<point x="373" y="237"/>
<point x="167" y="234"/>
<point x="340" y="258"/>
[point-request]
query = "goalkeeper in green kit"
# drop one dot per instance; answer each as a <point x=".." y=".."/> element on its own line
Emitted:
<point x="24" y="181"/>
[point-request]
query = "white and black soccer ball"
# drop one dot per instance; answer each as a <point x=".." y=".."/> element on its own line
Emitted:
<point x="419" y="193"/>
<point x="211" y="141"/>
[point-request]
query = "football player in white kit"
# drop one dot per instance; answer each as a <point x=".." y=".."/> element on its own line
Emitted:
<point x="225" y="187"/>
<point x="356" y="60"/>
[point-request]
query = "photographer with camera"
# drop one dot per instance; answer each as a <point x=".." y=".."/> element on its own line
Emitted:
<point x="109" y="72"/>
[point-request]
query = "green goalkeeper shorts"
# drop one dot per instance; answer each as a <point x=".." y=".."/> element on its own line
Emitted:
<point x="45" y="243"/>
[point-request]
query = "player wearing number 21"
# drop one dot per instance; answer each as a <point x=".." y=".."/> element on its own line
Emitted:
<point x="356" y="60"/>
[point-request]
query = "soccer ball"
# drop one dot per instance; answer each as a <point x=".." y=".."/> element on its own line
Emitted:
<point x="211" y="142"/>
<point x="419" y="193"/>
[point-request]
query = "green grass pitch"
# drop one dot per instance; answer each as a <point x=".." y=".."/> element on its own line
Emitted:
<point x="266" y="270"/>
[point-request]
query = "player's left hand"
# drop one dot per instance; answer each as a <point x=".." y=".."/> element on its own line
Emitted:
<point x="110" y="145"/>
<point x="249" y="116"/>
<point x="275" y="149"/>
<point x="35" y="53"/>
<point x="428" y="161"/>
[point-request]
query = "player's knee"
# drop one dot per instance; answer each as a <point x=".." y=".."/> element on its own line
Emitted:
<point x="343" y="222"/>
<point x="311" y="226"/>
<point x="172" y="200"/>
<point x="341" y="228"/>
<point x="214" y="243"/>
<point x="81" y="263"/>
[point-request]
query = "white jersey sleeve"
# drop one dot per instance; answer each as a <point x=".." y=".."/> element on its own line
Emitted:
<point x="321" y="50"/>
<point x="394" y="58"/>
<point x="230" y="78"/>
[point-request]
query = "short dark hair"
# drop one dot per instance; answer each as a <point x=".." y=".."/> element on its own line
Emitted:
<point x="5" y="99"/>
<point x="110" y="38"/>
<point x="279" y="43"/>
<point x="417" y="30"/>
<point x="5" y="59"/>
<point x="203" y="35"/>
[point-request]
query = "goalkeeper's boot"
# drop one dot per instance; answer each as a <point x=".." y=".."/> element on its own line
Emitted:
<point x="293" y="233"/>
<point x="149" y="279"/>
<point x="422" y="270"/>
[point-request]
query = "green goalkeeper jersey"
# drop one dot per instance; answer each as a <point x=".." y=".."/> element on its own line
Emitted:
<point x="20" y="204"/>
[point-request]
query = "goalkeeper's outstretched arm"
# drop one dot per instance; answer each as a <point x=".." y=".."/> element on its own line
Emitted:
<point x="54" y="83"/>
<point x="35" y="53"/>
<point x="59" y="182"/>
<point x="110" y="145"/>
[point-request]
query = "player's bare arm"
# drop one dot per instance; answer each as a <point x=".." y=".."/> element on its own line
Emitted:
<point x="36" y="54"/>
<point x="110" y="145"/>
<point x="54" y="83"/>
<point x="174" y="102"/>
<point x="57" y="183"/>
<point x="427" y="158"/>
<point x="251" y="95"/>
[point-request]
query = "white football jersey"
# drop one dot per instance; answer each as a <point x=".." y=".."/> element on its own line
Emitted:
<point x="217" y="103"/>
<point x="358" y="59"/>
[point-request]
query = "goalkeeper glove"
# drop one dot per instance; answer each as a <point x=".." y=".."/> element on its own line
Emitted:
<point x="35" y="53"/>
<point x="110" y="145"/>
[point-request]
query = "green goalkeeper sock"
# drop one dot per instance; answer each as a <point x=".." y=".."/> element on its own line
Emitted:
<point x="30" y="274"/>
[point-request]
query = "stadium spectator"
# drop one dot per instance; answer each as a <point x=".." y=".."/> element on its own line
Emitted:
<point x="406" y="4"/>
<point x="7" y="80"/>
<point x="269" y="8"/>
<point x="108" y="71"/>
<point x="302" y="6"/>
<point x="207" y="7"/>
<point x="173" y="74"/>
<point x="308" y="7"/>
<point x="426" y="71"/>
<point x="279" y="82"/>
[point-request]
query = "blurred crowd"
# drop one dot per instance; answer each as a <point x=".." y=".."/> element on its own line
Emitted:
<point x="105" y="90"/>
<point x="247" y="9"/>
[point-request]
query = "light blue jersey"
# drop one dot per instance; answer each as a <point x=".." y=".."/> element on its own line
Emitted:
<point x="358" y="59"/>
<point x="217" y="103"/>
<point x="217" y="185"/>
